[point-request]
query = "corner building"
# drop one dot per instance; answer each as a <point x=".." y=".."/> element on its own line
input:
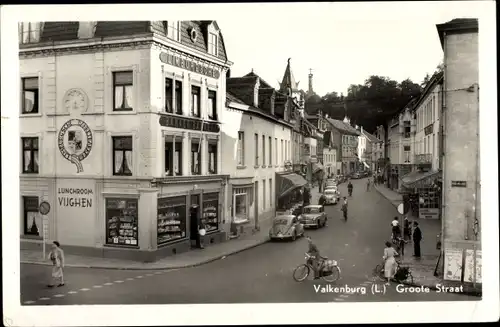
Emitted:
<point x="120" y="133"/>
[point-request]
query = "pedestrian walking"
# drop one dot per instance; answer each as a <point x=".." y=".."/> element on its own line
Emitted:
<point x="417" y="238"/>
<point x="368" y="184"/>
<point x="201" y="233"/>
<point x="56" y="255"/>
<point x="406" y="229"/>
<point x="389" y="262"/>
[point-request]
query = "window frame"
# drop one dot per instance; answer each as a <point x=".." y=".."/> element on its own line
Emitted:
<point x="256" y="150"/>
<point x="270" y="150"/>
<point x="123" y="150"/>
<point x="175" y="25"/>
<point x="240" y="151"/>
<point x="211" y="144"/>
<point x="263" y="150"/>
<point x="32" y="149"/>
<point x="36" y="109"/>
<point x="31" y="30"/>
<point x="213" y="44"/>
<point x="198" y="101"/>
<point x="26" y="232"/>
<point x="123" y="86"/>
<point x="198" y="152"/>
<point x="213" y="115"/>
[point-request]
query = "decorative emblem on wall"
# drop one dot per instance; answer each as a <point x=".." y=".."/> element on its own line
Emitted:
<point x="75" y="99"/>
<point x="75" y="142"/>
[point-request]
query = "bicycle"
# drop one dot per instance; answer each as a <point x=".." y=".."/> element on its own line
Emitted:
<point x="330" y="271"/>
<point x="403" y="273"/>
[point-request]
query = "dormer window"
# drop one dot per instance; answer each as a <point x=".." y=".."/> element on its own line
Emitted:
<point x="173" y="30"/>
<point x="212" y="43"/>
<point x="29" y="32"/>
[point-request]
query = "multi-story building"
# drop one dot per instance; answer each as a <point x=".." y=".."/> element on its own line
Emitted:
<point x="461" y="186"/>
<point x="329" y="154"/>
<point x="346" y="137"/>
<point x="426" y="158"/>
<point x="380" y="151"/>
<point x="124" y="144"/>
<point x="400" y="133"/>
<point x="257" y="134"/>
<point x="366" y="142"/>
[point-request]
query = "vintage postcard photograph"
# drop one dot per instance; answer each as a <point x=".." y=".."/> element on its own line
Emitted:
<point x="249" y="163"/>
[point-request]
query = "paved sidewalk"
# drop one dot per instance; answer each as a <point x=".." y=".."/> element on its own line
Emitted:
<point x="191" y="258"/>
<point x="422" y="269"/>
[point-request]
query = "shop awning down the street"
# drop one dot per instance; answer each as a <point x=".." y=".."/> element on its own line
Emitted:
<point x="317" y="167"/>
<point x="366" y="165"/>
<point x="419" y="177"/>
<point x="288" y="182"/>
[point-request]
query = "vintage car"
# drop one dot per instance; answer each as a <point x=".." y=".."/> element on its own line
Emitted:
<point x="313" y="216"/>
<point x="332" y="195"/>
<point x="330" y="182"/>
<point x="286" y="227"/>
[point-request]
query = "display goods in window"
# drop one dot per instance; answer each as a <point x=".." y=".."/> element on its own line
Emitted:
<point x="210" y="211"/>
<point x="171" y="219"/>
<point x="122" y="222"/>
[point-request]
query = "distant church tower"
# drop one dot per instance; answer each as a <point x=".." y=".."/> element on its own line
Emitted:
<point x="290" y="87"/>
<point x="310" y="90"/>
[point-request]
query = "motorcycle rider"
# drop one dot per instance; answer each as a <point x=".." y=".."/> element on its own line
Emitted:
<point x="349" y="188"/>
<point x="315" y="259"/>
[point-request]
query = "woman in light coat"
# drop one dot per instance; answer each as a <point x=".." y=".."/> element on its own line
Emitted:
<point x="57" y="257"/>
<point x="390" y="261"/>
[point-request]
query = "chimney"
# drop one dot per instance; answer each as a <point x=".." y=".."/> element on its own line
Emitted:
<point x="273" y="96"/>
<point x="256" y="93"/>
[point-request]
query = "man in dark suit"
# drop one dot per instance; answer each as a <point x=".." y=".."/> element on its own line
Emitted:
<point x="417" y="237"/>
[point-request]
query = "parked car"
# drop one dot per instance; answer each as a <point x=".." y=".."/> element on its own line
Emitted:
<point x="286" y="227"/>
<point x="330" y="182"/>
<point x="331" y="195"/>
<point x="356" y="175"/>
<point x="313" y="216"/>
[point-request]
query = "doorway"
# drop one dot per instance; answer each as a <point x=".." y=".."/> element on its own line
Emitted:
<point x="194" y="215"/>
<point x="256" y="204"/>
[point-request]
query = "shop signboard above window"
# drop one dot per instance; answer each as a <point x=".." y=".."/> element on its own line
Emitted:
<point x="188" y="123"/>
<point x="189" y="64"/>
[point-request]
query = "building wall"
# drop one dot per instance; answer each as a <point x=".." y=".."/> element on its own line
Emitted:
<point x="330" y="160"/>
<point x="461" y="139"/>
<point x="250" y="124"/>
<point x="427" y="114"/>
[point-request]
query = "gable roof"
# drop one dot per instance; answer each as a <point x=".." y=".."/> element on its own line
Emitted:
<point x="288" y="79"/>
<point x="435" y="79"/>
<point x="370" y="137"/>
<point x="457" y="25"/>
<point x="343" y="127"/>
<point x="68" y="31"/>
<point x="263" y="83"/>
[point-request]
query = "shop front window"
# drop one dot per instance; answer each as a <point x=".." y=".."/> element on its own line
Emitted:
<point x="32" y="218"/>
<point x="122" y="222"/>
<point x="211" y="211"/>
<point x="171" y="219"/>
<point x="240" y="207"/>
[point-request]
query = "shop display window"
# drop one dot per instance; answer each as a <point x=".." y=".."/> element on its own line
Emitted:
<point x="122" y="222"/>
<point x="240" y="207"/>
<point x="171" y="219"/>
<point x="211" y="211"/>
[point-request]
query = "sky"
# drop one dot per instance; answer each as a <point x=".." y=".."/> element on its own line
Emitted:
<point x="343" y="43"/>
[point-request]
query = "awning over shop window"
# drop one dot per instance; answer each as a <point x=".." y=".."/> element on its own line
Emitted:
<point x="288" y="182"/>
<point x="366" y="165"/>
<point x="409" y="180"/>
<point x="317" y="167"/>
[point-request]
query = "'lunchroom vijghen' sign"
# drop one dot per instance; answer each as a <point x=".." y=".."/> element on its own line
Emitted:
<point x="75" y="197"/>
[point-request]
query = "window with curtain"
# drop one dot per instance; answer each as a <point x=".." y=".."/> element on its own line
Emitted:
<point x="282" y="153"/>
<point x="178" y="97"/>
<point x="270" y="192"/>
<point x="32" y="218"/>
<point x="122" y="156"/>
<point x="29" y="32"/>
<point x="169" y="95"/>
<point x="264" y="194"/>
<point x="169" y="160"/>
<point x="30" y="155"/>
<point x="195" y="101"/>
<point x="212" y="158"/>
<point x="276" y="151"/>
<point x="123" y="86"/>
<point x="212" y="44"/>
<point x="241" y="148"/>
<point x="263" y="150"/>
<point x="178" y="156"/>
<point x="173" y="27"/>
<point x="195" y="157"/>
<point x="30" y="91"/>
<point x="212" y="105"/>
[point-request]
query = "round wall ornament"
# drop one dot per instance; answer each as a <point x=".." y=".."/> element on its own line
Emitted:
<point x="193" y="34"/>
<point x="75" y="99"/>
<point x="75" y="142"/>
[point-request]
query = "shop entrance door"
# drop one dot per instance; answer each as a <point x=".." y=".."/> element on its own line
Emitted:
<point x="194" y="217"/>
